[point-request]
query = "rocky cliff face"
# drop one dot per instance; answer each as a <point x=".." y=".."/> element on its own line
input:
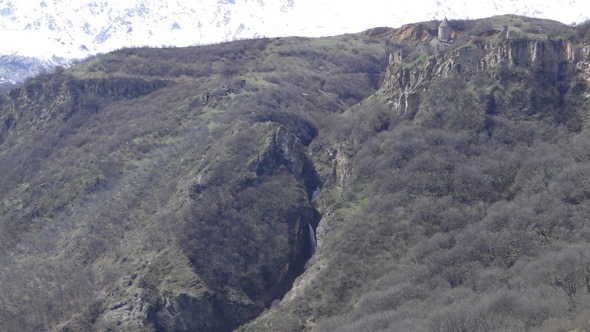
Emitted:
<point x="556" y="60"/>
<point x="60" y="98"/>
<point x="284" y="149"/>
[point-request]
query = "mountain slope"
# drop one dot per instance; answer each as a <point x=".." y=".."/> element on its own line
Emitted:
<point x="463" y="192"/>
<point x="377" y="181"/>
<point x="167" y="189"/>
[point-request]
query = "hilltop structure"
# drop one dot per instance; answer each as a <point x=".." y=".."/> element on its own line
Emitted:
<point x="396" y="57"/>
<point x="444" y="31"/>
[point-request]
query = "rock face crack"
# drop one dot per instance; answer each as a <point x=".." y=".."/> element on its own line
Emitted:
<point x="285" y="150"/>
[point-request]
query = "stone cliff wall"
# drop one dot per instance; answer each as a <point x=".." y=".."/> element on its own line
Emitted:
<point x="556" y="59"/>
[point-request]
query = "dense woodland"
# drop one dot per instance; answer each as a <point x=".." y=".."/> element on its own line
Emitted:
<point x="151" y="189"/>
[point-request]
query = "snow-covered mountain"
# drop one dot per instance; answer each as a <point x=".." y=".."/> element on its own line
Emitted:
<point x="55" y="31"/>
<point x="74" y="29"/>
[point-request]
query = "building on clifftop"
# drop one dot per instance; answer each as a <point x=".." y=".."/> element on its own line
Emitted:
<point x="444" y="31"/>
<point x="396" y="57"/>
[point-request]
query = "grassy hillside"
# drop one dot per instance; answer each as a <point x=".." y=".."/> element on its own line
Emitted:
<point x="175" y="189"/>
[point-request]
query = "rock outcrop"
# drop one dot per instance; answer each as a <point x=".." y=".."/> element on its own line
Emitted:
<point x="554" y="59"/>
<point x="284" y="149"/>
<point x="60" y="96"/>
